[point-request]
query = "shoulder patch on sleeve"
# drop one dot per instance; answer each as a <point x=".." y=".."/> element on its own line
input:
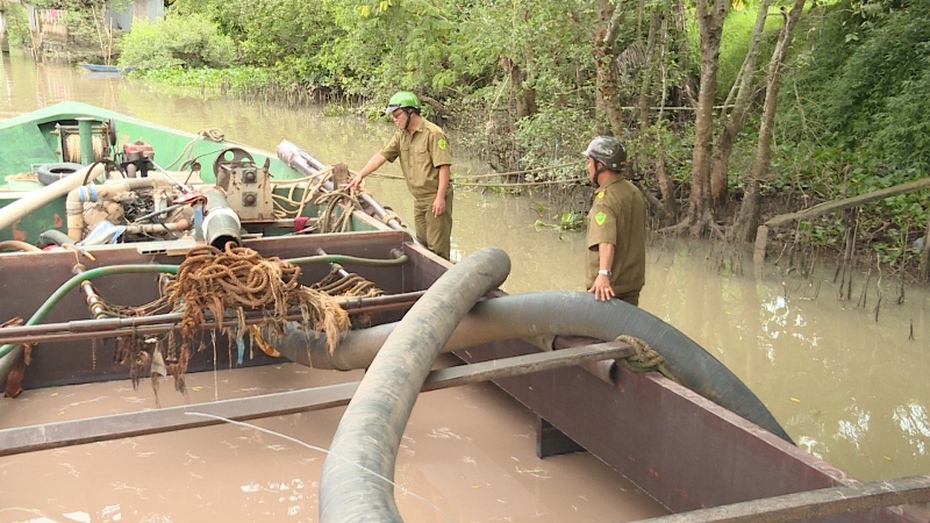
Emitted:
<point x="600" y="217"/>
<point x="442" y="143"/>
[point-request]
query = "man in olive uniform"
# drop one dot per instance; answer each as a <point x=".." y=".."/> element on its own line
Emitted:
<point x="616" y="239"/>
<point x="426" y="161"/>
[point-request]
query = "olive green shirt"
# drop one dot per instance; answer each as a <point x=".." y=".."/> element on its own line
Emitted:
<point x="421" y="154"/>
<point x="618" y="216"/>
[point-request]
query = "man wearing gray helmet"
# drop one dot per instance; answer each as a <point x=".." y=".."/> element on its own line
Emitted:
<point x="615" y="261"/>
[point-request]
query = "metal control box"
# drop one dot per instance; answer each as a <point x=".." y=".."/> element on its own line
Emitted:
<point x="248" y="189"/>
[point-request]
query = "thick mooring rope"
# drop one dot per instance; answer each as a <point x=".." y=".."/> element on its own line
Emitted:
<point x="336" y="209"/>
<point x="645" y="359"/>
<point x="287" y="206"/>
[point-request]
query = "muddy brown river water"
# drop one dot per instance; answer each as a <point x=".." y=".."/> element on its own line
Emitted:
<point x="473" y="463"/>
<point x="850" y="389"/>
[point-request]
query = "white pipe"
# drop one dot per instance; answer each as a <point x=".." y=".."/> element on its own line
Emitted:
<point x="37" y="199"/>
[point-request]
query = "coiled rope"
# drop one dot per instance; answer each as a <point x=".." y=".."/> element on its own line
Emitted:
<point x="336" y="209"/>
<point x="346" y="285"/>
<point x="645" y="359"/>
<point x="73" y="142"/>
<point x="287" y="206"/>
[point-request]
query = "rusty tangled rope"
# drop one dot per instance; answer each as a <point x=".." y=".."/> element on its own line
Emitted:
<point x="239" y="278"/>
<point x="645" y="359"/>
<point x="346" y="286"/>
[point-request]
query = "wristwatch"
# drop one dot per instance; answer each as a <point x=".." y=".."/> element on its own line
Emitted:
<point x="605" y="272"/>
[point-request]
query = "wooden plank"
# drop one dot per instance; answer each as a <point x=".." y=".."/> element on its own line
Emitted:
<point x="75" y="432"/>
<point x="812" y="504"/>
<point x="525" y="364"/>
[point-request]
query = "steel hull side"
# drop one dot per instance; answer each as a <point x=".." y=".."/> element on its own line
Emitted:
<point x="682" y="449"/>
<point x="28" y="279"/>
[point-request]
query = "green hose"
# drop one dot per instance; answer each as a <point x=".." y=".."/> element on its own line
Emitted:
<point x="343" y="259"/>
<point x="76" y="280"/>
<point x="39" y="315"/>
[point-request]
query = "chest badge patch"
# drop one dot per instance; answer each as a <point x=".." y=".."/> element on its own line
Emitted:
<point x="442" y="143"/>
<point x="600" y="217"/>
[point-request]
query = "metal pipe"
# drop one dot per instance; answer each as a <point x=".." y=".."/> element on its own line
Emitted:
<point x="94" y="302"/>
<point x="297" y="158"/>
<point x="85" y="133"/>
<point x="159" y="323"/>
<point x="371" y="428"/>
<point x="546" y="314"/>
<point x="152" y="228"/>
<point x="342" y="272"/>
<point x="220" y="223"/>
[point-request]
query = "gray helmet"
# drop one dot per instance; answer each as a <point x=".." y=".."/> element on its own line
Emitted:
<point x="607" y="150"/>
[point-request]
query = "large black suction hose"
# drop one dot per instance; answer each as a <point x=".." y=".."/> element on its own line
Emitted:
<point x="370" y="431"/>
<point x="550" y="313"/>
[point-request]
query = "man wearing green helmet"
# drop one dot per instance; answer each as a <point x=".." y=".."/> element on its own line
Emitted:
<point x="426" y="161"/>
<point x="616" y="239"/>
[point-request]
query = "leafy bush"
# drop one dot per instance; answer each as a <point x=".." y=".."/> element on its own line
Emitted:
<point x="552" y="137"/>
<point x="865" y="80"/>
<point x="192" y="41"/>
<point x="236" y="80"/>
<point x="17" y="25"/>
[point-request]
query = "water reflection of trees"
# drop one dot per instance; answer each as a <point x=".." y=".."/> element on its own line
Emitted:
<point x="915" y="424"/>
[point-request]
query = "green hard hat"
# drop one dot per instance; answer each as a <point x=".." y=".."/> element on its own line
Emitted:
<point x="607" y="150"/>
<point x="400" y="100"/>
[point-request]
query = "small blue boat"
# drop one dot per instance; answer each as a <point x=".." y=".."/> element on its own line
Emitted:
<point x="101" y="68"/>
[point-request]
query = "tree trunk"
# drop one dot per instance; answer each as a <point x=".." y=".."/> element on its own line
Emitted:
<point x="710" y="14"/>
<point x="609" y="119"/>
<point x="522" y="100"/>
<point x="750" y="209"/>
<point x="732" y="122"/>
<point x="645" y="92"/>
<point x="848" y="202"/>
<point x="666" y="187"/>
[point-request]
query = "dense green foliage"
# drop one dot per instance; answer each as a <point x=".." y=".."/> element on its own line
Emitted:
<point x="17" y="25"/>
<point x="190" y="41"/>
<point x="519" y="81"/>
<point x="855" y="119"/>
